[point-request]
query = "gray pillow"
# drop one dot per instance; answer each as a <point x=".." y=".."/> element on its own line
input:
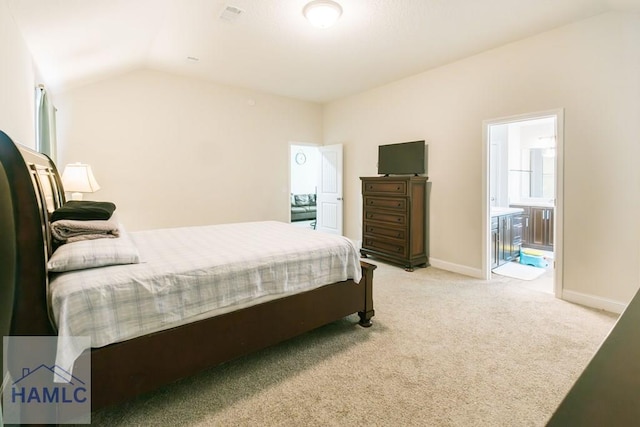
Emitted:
<point x="302" y="199"/>
<point x="94" y="253"/>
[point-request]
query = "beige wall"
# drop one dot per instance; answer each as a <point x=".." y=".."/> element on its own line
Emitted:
<point x="171" y="151"/>
<point x="17" y="87"/>
<point x="591" y="69"/>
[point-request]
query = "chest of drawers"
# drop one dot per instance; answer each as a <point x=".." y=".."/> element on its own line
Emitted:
<point x="394" y="219"/>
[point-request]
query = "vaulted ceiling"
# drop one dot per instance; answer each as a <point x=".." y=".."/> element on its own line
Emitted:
<point x="271" y="47"/>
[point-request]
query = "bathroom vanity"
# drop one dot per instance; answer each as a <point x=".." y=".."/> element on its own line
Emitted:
<point x="506" y="234"/>
<point x="537" y="230"/>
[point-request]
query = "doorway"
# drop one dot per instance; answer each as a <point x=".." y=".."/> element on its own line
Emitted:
<point x="315" y="183"/>
<point x="303" y="184"/>
<point x="523" y="198"/>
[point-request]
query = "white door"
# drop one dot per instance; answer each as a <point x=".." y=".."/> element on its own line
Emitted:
<point x="329" y="198"/>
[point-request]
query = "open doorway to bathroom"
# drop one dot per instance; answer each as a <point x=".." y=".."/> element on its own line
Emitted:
<point x="304" y="175"/>
<point x="523" y="199"/>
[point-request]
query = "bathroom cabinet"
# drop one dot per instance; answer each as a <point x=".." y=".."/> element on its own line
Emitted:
<point x="506" y="238"/>
<point x="538" y="225"/>
<point x="541" y="233"/>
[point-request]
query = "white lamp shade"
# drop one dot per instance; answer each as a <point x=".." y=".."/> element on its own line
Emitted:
<point x="78" y="177"/>
<point x="322" y="13"/>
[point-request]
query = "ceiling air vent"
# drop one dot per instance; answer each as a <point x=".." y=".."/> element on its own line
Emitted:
<point x="230" y="13"/>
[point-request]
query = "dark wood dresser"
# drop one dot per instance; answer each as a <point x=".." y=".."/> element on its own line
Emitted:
<point x="394" y="219"/>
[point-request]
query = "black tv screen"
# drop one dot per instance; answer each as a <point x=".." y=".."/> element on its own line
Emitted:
<point x="406" y="158"/>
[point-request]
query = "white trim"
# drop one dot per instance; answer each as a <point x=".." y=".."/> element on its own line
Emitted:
<point x="593" y="301"/>
<point x="456" y="268"/>
<point x="485" y="271"/>
<point x="558" y="227"/>
<point x="559" y="205"/>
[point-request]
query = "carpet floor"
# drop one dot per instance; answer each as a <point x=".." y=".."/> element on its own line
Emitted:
<point x="444" y="350"/>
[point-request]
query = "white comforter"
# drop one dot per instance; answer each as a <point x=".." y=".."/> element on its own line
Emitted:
<point x="191" y="273"/>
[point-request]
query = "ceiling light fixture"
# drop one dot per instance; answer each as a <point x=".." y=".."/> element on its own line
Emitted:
<point x="322" y="13"/>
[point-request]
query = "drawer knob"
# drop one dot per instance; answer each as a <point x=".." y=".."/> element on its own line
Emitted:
<point x="399" y="219"/>
<point x="398" y="188"/>
<point x="399" y="204"/>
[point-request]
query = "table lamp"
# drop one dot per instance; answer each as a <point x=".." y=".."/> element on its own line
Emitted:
<point x="78" y="178"/>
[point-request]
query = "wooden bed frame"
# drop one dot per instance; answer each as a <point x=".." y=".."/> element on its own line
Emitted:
<point x="30" y="188"/>
<point x="608" y="390"/>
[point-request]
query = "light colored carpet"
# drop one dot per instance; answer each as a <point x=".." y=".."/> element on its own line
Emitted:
<point x="444" y="350"/>
<point x="519" y="271"/>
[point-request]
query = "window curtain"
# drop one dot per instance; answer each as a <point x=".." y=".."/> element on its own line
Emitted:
<point x="45" y="123"/>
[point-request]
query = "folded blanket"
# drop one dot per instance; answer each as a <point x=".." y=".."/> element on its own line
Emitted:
<point x="70" y="230"/>
<point x="84" y="210"/>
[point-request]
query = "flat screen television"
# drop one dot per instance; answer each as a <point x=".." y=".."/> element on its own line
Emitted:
<point x="405" y="158"/>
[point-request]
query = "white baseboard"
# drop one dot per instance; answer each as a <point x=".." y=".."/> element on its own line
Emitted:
<point x="593" y="301"/>
<point x="456" y="268"/>
<point x="587" y="300"/>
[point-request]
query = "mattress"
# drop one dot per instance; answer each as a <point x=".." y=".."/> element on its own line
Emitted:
<point x="190" y="273"/>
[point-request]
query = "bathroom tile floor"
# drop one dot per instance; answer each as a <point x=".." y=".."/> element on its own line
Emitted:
<point x="544" y="283"/>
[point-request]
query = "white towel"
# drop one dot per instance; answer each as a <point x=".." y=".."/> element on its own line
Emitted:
<point x="71" y="230"/>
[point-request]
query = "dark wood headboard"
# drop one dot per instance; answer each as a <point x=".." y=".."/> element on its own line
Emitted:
<point x="30" y="189"/>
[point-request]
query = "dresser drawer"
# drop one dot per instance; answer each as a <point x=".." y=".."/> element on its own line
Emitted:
<point x="386" y="187"/>
<point x="386" y="202"/>
<point x="373" y="230"/>
<point x="388" y="217"/>
<point x="398" y="249"/>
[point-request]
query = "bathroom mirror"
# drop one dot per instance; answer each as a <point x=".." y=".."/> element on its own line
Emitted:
<point x="531" y="175"/>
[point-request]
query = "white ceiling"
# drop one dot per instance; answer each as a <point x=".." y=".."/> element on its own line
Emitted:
<point x="271" y="47"/>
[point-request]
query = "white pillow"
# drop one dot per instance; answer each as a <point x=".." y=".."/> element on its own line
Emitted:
<point x="94" y="253"/>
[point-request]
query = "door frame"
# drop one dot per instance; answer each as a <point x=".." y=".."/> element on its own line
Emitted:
<point x="558" y="234"/>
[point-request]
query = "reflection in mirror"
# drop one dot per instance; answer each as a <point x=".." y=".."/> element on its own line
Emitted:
<point x="532" y="175"/>
<point x="542" y="176"/>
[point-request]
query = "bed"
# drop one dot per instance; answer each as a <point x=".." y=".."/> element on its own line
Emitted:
<point x="607" y="392"/>
<point x="30" y="189"/>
